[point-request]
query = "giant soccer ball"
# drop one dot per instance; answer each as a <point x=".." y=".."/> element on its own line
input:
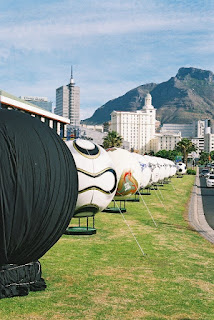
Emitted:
<point x="96" y="175"/>
<point x="153" y="163"/>
<point x="181" y="168"/>
<point x="145" y="175"/>
<point x="162" y="168"/>
<point x="173" y="169"/>
<point x="128" y="171"/>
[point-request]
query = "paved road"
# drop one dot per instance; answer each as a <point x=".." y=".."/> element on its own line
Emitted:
<point x="208" y="202"/>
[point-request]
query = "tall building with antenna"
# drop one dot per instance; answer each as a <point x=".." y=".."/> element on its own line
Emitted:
<point x="68" y="102"/>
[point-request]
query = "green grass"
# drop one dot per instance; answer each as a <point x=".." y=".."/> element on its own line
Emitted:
<point x="106" y="276"/>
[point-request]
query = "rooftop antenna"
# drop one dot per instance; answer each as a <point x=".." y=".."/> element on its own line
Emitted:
<point x="72" y="79"/>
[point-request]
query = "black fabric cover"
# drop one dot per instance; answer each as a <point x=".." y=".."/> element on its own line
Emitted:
<point x="19" y="280"/>
<point x="38" y="187"/>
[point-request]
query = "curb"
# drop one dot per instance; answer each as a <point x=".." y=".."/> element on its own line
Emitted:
<point x="196" y="212"/>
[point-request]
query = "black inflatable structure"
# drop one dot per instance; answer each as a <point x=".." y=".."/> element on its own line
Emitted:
<point x="38" y="193"/>
<point x="18" y="280"/>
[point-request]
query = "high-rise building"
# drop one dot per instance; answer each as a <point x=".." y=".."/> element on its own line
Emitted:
<point x="138" y="128"/>
<point x="198" y="128"/>
<point x="166" y="140"/>
<point x="191" y="130"/>
<point x="185" y="129"/>
<point x="68" y="102"/>
<point x="208" y="137"/>
<point x="41" y="102"/>
<point x="208" y="142"/>
<point x="199" y="145"/>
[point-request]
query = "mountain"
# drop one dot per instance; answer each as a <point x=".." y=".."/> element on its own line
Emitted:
<point x="186" y="97"/>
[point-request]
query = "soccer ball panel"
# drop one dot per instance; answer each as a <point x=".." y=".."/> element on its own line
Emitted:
<point x="128" y="171"/>
<point x="97" y="177"/>
<point x="127" y="184"/>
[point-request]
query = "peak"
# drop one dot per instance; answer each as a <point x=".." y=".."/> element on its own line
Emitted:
<point x="198" y="74"/>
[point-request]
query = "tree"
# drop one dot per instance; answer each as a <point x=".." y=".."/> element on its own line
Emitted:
<point x="112" y="139"/>
<point x="212" y="155"/>
<point x="168" y="154"/>
<point x="204" y="158"/>
<point x="185" y="146"/>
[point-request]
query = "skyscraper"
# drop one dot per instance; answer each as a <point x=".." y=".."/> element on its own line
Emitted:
<point x="68" y="102"/>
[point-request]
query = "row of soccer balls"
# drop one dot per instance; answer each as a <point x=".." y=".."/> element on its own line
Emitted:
<point x="103" y="174"/>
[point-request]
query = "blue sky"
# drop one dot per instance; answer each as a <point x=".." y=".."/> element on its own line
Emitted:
<point x="113" y="46"/>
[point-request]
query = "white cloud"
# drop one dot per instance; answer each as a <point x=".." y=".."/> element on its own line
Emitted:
<point x="49" y="34"/>
<point x="114" y="45"/>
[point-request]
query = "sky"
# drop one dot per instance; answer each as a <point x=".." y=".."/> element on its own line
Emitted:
<point x="113" y="45"/>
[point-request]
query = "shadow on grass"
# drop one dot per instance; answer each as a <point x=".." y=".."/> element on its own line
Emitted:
<point x="177" y="226"/>
<point x="187" y="319"/>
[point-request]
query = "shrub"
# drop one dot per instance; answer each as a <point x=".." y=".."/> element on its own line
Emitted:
<point x="191" y="171"/>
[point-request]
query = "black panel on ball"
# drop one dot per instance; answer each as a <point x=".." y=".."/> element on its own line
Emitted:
<point x="38" y="187"/>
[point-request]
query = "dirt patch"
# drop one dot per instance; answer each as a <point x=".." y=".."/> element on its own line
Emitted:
<point x="203" y="285"/>
<point x="114" y="272"/>
<point x="32" y="316"/>
<point x="101" y="298"/>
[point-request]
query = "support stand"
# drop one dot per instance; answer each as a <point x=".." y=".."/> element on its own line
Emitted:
<point x="115" y="208"/>
<point x="135" y="199"/>
<point x="159" y="185"/>
<point x="80" y="230"/>
<point x="166" y="181"/>
<point x="154" y="187"/>
<point x="147" y="193"/>
<point x="179" y="176"/>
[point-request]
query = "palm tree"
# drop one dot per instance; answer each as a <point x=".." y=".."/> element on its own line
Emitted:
<point x="185" y="146"/>
<point x="113" y="139"/>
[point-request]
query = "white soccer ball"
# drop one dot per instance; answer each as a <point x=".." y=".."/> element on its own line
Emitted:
<point x="128" y="171"/>
<point x="173" y="169"/>
<point x="162" y="168"/>
<point x="145" y="175"/>
<point x="155" y="176"/>
<point x="96" y="176"/>
<point x="181" y="168"/>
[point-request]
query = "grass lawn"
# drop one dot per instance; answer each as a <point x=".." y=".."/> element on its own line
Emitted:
<point x="106" y="276"/>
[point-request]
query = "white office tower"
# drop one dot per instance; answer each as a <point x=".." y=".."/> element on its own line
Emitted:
<point x="166" y="140"/>
<point x="68" y="102"/>
<point x="186" y="130"/>
<point x="199" y="128"/>
<point x="208" y="137"/>
<point x="138" y="128"/>
<point x="195" y="129"/>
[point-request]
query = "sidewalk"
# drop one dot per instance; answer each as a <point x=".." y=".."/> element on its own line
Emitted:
<point x="196" y="213"/>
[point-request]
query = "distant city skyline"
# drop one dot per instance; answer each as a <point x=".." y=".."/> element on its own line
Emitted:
<point x="113" y="46"/>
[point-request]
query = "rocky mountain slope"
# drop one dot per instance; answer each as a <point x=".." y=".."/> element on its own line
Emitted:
<point x="186" y="97"/>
